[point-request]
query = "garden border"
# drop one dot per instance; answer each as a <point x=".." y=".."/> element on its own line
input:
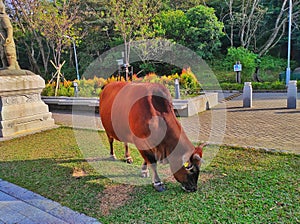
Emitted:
<point x="182" y="107"/>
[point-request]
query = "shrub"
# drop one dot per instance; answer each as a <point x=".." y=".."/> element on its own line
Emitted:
<point x="92" y="87"/>
<point x="246" y="58"/>
<point x="231" y="86"/>
<point x="86" y="87"/>
<point x="188" y="80"/>
<point x="255" y="86"/>
<point x="271" y="67"/>
<point x="278" y="85"/>
<point x="65" y="91"/>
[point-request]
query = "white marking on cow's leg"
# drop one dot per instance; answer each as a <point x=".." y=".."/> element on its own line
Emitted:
<point x="113" y="157"/>
<point x="157" y="184"/>
<point x="155" y="177"/>
<point x="145" y="170"/>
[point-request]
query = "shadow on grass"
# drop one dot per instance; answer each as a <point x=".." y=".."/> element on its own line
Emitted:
<point x="54" y="179"/>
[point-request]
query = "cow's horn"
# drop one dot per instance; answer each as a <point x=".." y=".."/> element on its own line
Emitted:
<point x="202" y="145"/>
<point x="197" y="157"/>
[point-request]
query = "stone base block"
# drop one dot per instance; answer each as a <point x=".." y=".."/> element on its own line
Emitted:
<point x="21" y="109"/>
<point x="26" y="125"/>
<point x="195" y="105"/>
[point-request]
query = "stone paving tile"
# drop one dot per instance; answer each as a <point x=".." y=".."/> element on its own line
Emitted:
<point x="18" y="205"/>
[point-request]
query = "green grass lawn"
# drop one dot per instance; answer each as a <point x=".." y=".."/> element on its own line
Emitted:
<point x="238" y="186"/>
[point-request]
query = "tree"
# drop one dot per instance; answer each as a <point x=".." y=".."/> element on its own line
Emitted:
<point x="183" y="4"/>
<point x="24" y="13"/>
<point x="98" y="29"/>
<point x="132" y="20"/>
<point x="46" y="24"/>
<point x="197" y="29"/>
<point x="204" y="31"/>
<point x="257" y="25"/>
<point x="172" y="25"/>
<point x="56" y="23"/>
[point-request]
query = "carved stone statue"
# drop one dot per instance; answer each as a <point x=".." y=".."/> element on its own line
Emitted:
<point x="7" y="44"/>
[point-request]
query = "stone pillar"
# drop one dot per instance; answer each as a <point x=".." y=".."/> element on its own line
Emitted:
<point x="21" y="109"/>
<point x="292" y="95"/>
<point x="247" y="95"/>
<point x="177" y="89"/>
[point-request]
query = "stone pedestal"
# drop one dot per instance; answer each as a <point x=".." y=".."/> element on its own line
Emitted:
<point x="292" y="95"/>
<point x="21" y="109"/>
<point x="247" y="95"/>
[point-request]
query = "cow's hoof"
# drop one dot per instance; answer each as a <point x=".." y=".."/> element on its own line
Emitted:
<point x="112" y="158"/>
<point x="145" y="173"/>
<point x="129" y="160"/>
<point x="159" y="186"/>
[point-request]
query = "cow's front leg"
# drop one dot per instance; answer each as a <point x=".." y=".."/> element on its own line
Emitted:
<point x="157" y="184"/>
<point x="145" y="170"/>
<point x="128" y="158"/>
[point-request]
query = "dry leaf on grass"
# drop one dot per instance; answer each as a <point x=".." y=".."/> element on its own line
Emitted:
<point x="78" y="173"/>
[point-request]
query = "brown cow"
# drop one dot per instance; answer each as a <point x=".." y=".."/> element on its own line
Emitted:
<point x="142" y="114"/>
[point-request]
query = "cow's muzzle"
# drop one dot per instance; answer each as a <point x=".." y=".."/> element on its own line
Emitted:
<point x="189" y="189"/>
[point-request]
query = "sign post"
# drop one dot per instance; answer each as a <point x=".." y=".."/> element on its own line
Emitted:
<point x="238" y="68"/>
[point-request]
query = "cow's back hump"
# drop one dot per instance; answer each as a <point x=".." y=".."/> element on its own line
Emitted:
<point x="128" y="107"/>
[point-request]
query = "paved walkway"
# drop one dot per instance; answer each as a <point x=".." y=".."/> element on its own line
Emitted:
<point x="268" y="124"/>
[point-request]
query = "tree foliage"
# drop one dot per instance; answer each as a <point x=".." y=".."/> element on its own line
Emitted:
<point x="197" y="29"/>
<point x="56" y="24"/>
<point x="45" y="26"/>
<point x="132" y="20"/>
<point x="204" y="31"/>
<point x="40" y="27"/>
<point x="257" y="25"/>
<point x="172" y="25"/>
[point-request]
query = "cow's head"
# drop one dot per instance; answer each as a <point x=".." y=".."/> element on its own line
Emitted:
<point x="188" y="175"/>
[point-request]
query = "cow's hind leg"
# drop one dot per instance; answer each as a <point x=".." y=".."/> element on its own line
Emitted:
<point x="128" y="158"/>
<point x="145" y="170"/>
<point x="112" y="153"/>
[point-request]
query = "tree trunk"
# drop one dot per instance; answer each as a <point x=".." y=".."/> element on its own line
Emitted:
<point x="33" y="63"/>
<point x="256" y="75"/>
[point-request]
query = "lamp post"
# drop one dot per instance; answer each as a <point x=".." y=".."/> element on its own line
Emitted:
<point x="75" y="55"/>
<point x="120" y="63"/>
<point x="288" y="69"/>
